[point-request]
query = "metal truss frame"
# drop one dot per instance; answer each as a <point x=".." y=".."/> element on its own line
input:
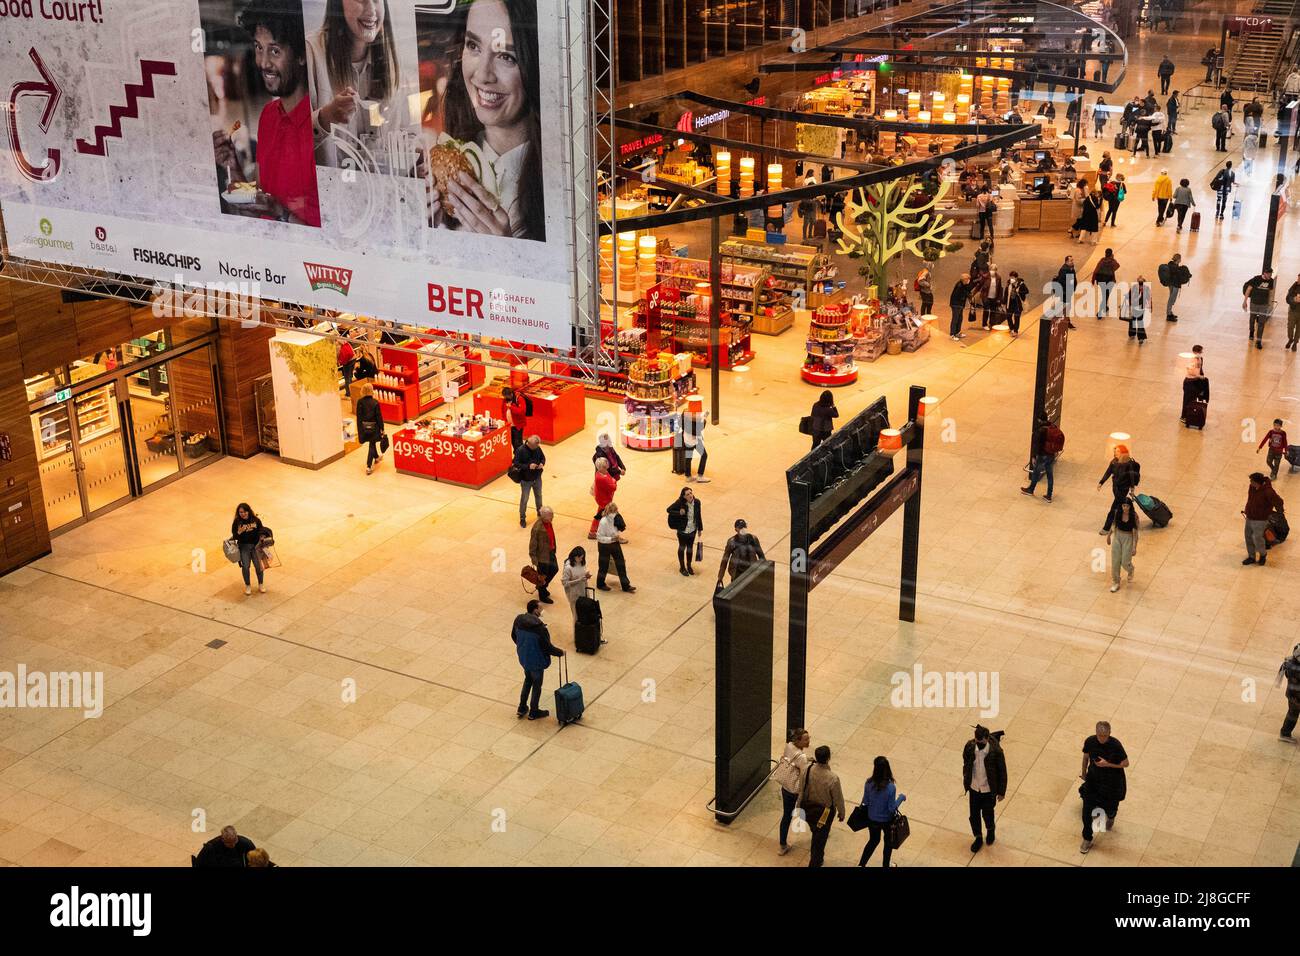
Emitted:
<point x="587" y="73"/>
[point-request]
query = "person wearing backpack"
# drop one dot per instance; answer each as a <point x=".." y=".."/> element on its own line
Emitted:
<point x="1124" y="473"/>
<point x="808" y="214"/>
<point x="741" y="551"/>
<point x="789" y="773"/>
<point x="1166" y="73"/>
<point x="685" y="517"/>
<point x="370" y="426"/>
<point x="1047" y="443"/>
<point x="1103" y="277"/>
<point x="1220" y="121"/>
<point x="1173" y="275"/>
<point x="1224" y="181"/>
<point x="984" y="776"/>
<point x="1114" y="193"/>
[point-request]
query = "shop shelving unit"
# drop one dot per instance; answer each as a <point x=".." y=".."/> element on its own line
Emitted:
<point x="830" y="360"/>
<point x="657" y="387"/>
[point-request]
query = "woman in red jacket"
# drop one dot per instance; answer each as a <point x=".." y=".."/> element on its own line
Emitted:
<point x="602" y="488"/>
<point x="515" y="411"/>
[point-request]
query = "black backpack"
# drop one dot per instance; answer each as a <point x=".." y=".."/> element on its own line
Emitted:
<point x="1163" y="273"/>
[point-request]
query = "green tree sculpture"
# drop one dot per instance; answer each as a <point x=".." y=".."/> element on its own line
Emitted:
<point x="879" y="223"/>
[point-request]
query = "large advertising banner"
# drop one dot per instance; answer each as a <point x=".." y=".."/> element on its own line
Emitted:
<point x="396" y="160"/>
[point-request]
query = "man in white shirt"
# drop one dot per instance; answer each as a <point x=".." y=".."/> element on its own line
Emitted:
<point x="984" y="775"/>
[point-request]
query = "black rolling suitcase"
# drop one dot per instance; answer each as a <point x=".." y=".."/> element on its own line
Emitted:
<point x="1277" y="529"/>
<point x="1121" y="140"/>
<point x="588" y="627"/>
<point x="1155" y="509"/>
<point x="1293" y="457"/>
<point x="1196" y="414"/>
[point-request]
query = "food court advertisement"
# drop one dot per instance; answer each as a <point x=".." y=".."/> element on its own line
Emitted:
<point x="398" y="160"/>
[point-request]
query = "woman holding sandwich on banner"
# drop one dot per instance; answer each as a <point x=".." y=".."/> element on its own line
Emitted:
<point x="487" y="166"/>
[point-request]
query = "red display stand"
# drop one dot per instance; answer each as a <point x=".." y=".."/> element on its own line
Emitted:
<point x="559" y="407"/>
<point x="458" y="460"/>
<point x="828" y="379"/>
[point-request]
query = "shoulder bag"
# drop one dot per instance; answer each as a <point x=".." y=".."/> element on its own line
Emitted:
<point x="858" y="819"/>
<point x="899" y="830"/>
<point x="806" y="425"/>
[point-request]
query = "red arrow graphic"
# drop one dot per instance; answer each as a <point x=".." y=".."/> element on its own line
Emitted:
<point x="135" y="92"/>
<point x="48" y="87"/>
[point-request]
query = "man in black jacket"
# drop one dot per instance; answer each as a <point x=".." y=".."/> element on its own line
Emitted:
<point x="529" y="462"/>
<point x="1166" y="73"/>
<point x="1172" y="106"/>
<point x="741" y="551"/>
<point x="226" y="850"/>
<point x="1290" y="672"/>
<point x="957" y="302"/>
<point x="984" y="775"/>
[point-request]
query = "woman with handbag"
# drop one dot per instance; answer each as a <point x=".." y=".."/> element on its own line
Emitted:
<point x="574" y="577"/>
<point x="821" y="800"/>
<point x="370" y="426"/>
<point x="790" y="770"/>
<point x="684" y="517"/>
<point x="821" y="417"/>
<point x="248" y="532"/>
<point x="882" y="800"/>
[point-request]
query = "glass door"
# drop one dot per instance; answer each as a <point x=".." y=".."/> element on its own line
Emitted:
<point x="100" y="448"/>
<point x="153" y="425"/>
<point x="194" y="398"/>
<point x="60" y="485"/>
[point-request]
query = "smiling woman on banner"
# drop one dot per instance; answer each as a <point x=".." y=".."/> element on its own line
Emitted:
<point x="493" y="121"/>
<point x="354" y="76"/>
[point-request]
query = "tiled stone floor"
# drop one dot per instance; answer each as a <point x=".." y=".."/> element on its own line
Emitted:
<point x="407" y="588"/>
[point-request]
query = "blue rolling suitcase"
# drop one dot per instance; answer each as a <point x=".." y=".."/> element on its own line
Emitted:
<point x="568" y="698"/>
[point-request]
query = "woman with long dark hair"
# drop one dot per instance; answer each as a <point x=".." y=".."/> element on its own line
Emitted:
<point x="823" y="417"/>
<point x="246" y="529"/>
<point x="493" y="105"/>
<point x="353" y="58"/>
<point x="882" y="800"/>
<point x="574" y="577"/>
<point x="685" y="518"/>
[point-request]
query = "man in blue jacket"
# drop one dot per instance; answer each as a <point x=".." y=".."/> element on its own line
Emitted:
<point x="533" y="645"/>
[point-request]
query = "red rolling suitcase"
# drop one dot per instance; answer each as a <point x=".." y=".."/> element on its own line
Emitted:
<point x="1196" y="221"/>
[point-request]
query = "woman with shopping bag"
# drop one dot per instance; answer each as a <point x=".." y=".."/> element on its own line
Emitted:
<point x="250" y="535"/>
<point x="685" y="517"/>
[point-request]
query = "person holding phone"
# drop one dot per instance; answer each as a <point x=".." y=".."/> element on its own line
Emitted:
<point x="1104" y="781"/>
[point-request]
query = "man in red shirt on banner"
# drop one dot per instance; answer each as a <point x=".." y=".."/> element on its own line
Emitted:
<point x="286" y="157"/>
<point x="602" y="489"/>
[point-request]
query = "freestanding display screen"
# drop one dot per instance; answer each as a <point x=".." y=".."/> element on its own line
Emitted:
<point x="743" y="673"/>
<point x="397" y="160"/>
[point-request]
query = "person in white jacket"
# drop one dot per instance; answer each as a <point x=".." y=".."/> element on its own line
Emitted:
<point x="790" y="772"/>
<point x="574" y="578"/>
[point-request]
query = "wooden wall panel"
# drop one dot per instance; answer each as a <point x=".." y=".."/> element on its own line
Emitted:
<point x="47" y="329"/>
<point x="19" y="478"/>
<point x="244" y="357"/>
<point x="101" y="324"/>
